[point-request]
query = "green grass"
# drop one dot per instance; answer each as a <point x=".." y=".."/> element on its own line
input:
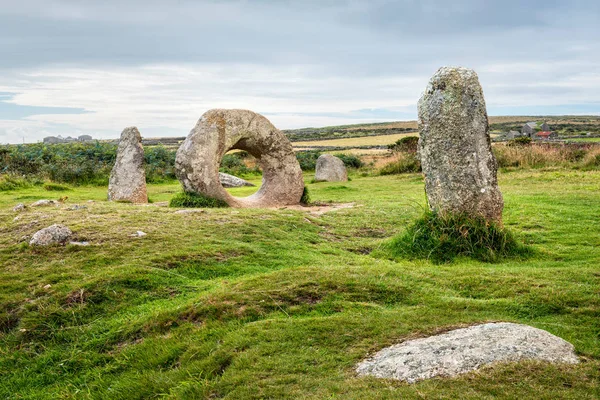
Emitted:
<point x="195" y="200"/>
<point x="442" y="238"/>
<point x="252" y="304"/>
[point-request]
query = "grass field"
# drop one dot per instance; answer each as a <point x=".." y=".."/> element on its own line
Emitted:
<point x="381" y="140"/>
<point x="254" y="304"/>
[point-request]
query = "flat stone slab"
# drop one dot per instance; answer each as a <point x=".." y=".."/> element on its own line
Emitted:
<point x="464" y="350"/>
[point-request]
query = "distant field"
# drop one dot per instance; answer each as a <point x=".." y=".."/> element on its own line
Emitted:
<point x="381" y="140"/>
<point x="585" y="140"/>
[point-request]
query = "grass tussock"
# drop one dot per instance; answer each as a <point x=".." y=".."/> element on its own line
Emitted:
<point x="195" y="200"/>
<point x="56" y="187"/>
<point x="305" y="199"/>
<point x="548" y="155"/>
<point x="442" y="238"/>
<point x="8" y="183"/>
<point x="403" y="163"/>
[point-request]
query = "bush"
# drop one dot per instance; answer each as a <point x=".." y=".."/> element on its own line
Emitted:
<point x="404" y="163"/>
<point x="234" y="164"/>
<point x="407" y="144"/>
<point x="195" y="200"/>
<point x="350" y="160"/>
<point x="520" y="141"/>
<point x="8" y="183"/>
<point x="442" y="238"/>
<point x="308" y="159"/>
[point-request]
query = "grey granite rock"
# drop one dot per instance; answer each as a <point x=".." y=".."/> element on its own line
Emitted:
<point x="19" y="207"/>
<point x="54" y="234"/>
<point x="463" y="350"/>
<point x="330" y="169"/>
<point x="44" y="203"/>
<point x="128" y="177"/>
<point x="455" y="148"/>
<point x="230" y="181"/>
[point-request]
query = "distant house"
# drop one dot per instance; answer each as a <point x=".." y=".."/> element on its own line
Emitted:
<point x="545" y="127"/>
<point x="52" y="140"/>
<point x="529" y="129"/>
<point x="84" y="138"/>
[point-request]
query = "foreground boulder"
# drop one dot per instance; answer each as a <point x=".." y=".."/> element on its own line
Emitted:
<point x="455" y="148"/>
<point x="54" y="234"/>
<point x="230" y="181"/>
<point x="463" y="350"/>
<point x="330" y="169"/>
<point x="19" y="207"/>
<point x="217" y="132"/>
<point x="128" y="177"/>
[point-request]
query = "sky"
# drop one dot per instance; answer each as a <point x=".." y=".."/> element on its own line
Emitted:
<point x="73" y="67"/>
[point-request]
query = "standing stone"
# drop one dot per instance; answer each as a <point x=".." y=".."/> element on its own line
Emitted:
<point x="455" y="148"/>
<point x="218" y="131"/>
<point x="330" y="169"/>
<point x="128" y="177"/>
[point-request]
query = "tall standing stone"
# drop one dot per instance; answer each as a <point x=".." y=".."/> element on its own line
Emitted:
<point x="128" y="177"/>
<point x="454" y="146"/>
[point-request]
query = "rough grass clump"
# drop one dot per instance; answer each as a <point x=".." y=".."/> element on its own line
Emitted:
<point x="350" y="160"/>
<point x="8" y="183"/>
<point x="404" y="163"/>
<point x="305" y="199"/>
<point x="195" y="200"/>
<point x="56" y="187"/>
<point x="441" y="238"/>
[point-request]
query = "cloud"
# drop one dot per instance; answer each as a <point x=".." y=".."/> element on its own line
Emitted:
<point x="160" y="65"/>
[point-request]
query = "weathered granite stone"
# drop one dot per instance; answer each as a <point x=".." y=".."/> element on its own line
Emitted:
<point x="19" y="207"/>
<point x="217" y="132"/>
<point x="44" y="203"/>
<point x="230" y="181"/>
<point x="54" y="234"/>
<point x="454" y="146"/>
<point x="128" y="177"/>
<point x="330" y="169"/>
<point x="463" y="350"/>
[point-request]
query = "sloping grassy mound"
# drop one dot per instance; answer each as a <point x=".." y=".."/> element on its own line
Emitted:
<point x="441" y="238"/>
<point x="195" y="200"/>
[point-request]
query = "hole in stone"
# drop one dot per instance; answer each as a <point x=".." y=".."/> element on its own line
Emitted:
<point x="243" y="165"/>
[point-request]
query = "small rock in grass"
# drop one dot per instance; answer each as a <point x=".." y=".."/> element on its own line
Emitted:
<point x="44" y="203"/>
<point x="54" y="234"/>
<point x="464" y="350"/>
<point x="138" y="234"/>
<point x="80" y="243"/>
<point x="19" y="207"/>
<point x="76" y="207"/>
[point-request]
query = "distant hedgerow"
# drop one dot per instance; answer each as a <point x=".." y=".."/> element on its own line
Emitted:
<point x="195" y="200"/>
<point x="441" y="238"/>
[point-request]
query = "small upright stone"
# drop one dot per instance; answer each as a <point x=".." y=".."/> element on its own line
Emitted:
<point x="330" y="169"/>
<point x="454" y="146"/>
<point x="128" y="177"/>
